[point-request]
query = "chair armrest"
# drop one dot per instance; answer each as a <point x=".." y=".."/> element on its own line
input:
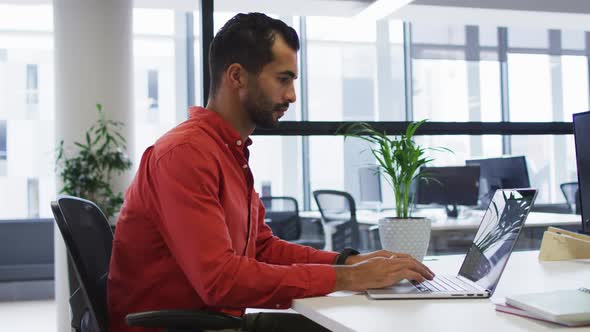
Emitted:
<point x="183" y="320"/>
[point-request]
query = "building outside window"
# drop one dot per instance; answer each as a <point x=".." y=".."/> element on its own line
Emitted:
<point x="32" y="92"/>
<point x="3" y="153"/>
<point x="33" y="198"/>
<point x="26" y="110"/>
<point x="153" y="89"/>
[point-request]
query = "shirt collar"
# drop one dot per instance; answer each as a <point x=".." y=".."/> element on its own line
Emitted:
<point x="229" y="134"/>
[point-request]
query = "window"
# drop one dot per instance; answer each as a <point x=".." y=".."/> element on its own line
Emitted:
<point x="548" y="81"/>
<point x="575" y="100"/>
<point x="574" y="77"/>
<point x="341" y="67"/>
<point x="158" y="105"/>
<point x="276" y="165"/>
<point x="441" y="90"/>
<point x="26" y="86"/>
<point x="355" y="73"/>
<point x="529" y="79"/>
<point x="456" y="77"/>
<point x="531" y="98"/>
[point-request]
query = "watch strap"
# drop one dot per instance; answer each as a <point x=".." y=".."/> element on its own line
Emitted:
<point x="347" y="252"/>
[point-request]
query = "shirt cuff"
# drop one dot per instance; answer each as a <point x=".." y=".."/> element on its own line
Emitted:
<point x="321" y="279"/>
<point x="324" y="257"/>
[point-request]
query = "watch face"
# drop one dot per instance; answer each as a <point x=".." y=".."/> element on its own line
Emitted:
<point x="349" y="252"/>
<point x="341" y="260"/>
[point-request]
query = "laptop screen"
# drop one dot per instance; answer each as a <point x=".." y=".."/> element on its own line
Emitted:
<point x="496" y="236"/>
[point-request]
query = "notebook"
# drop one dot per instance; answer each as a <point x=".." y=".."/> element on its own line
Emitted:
<point x="484" y="263"/>
<point x="500" y="305"/>
<point x="569" y="307"/>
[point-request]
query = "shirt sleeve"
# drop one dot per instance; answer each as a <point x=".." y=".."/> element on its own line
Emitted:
<point x="192" y="223"/>
<point x="273" y="250"/>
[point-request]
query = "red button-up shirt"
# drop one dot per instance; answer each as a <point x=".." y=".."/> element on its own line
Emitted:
<point x="191" y="233"/>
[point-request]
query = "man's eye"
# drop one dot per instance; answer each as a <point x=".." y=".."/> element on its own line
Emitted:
<point x="284" y="79"/>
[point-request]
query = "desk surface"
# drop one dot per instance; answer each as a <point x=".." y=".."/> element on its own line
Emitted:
<point x="524" y="273"/>
<point x="469" y="220"/>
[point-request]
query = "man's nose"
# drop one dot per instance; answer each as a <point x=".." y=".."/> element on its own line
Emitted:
<point x="291" y="96"/>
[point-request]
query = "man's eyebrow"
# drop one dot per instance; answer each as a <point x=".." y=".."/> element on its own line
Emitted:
<point x="289" y="73"/>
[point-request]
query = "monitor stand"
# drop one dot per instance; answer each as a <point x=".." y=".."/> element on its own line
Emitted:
<point x="452" y="211"/>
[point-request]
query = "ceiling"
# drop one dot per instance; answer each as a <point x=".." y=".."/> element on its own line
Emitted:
<point x="563" y="14"/>
<point x="560" y="14"/>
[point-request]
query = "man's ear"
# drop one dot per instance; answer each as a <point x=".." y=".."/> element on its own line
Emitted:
<point x="236" y="75"/>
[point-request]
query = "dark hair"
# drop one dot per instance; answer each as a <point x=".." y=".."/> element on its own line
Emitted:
<point x="246" y="39"/>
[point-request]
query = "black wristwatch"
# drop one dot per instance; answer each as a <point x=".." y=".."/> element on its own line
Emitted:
<point x="347" y="252"/>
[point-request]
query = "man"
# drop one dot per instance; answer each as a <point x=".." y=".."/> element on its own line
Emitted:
<point x="191" y="234"/>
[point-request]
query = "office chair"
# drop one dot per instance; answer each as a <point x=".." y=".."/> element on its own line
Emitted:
<point x="89" y="240"/>
<point x="339" y="210"/>
<point x="285" y="223"/>
<point x="572" y="196"/>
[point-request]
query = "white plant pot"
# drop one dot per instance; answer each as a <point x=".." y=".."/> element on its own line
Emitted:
<point x="410" y="236"/>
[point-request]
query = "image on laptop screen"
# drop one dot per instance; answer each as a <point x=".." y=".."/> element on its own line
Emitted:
<point x="496" y="236"/>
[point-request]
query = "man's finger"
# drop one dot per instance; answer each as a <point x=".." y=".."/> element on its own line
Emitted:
<point x="398" y="255"/>
<point x="412" y="275"/>
<point x="410" y="264"/>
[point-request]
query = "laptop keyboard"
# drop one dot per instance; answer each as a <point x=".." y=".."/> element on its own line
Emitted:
<point x="443" y="284"/>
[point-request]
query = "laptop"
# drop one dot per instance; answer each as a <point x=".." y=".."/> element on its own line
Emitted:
<point x="484" y="263"/>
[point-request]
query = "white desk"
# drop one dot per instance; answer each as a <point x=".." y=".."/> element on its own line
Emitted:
<point x="524" y="273"/>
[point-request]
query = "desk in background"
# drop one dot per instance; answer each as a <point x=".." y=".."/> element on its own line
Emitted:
<point x="454" y="235"/>
<point x="523" y="274"/>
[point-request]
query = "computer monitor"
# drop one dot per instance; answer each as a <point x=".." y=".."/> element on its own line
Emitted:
<point x="449" y="186"/>
<point x="582" y="141"/>
<point x="500" y="173"/>
<point x="370" y="187"/>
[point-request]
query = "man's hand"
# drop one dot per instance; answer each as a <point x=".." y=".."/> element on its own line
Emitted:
<point x="378" y="272"/>
<point x="351" y="260"/>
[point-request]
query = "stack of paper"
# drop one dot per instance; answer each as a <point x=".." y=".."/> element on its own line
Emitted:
<point x="570" y="307"/>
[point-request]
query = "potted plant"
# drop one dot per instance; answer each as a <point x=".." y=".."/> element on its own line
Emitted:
<point x="88" y="172"/>
<point x="400" y="159"/>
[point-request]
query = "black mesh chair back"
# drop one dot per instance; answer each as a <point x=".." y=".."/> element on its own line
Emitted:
<point x="89" y="240"/>
<point x="572" y="196"/>
<point x="338" y="209"/>
<point x="283" y="215"/>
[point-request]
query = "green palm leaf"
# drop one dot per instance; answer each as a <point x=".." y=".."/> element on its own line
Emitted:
<point x="399" y="158"/>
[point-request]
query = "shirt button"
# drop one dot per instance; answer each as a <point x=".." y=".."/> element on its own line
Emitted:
<point x="245" y="166"/>
<point x="239" y="142"/>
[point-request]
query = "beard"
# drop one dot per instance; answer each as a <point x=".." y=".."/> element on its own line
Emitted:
<point x="261" y="109"/>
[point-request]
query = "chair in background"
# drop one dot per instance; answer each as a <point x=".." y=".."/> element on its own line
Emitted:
<point x="283" y="218"/>
<point x="339" y="211"/>
<point x="89" y="240"/>
<point x="572" y="196"/>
